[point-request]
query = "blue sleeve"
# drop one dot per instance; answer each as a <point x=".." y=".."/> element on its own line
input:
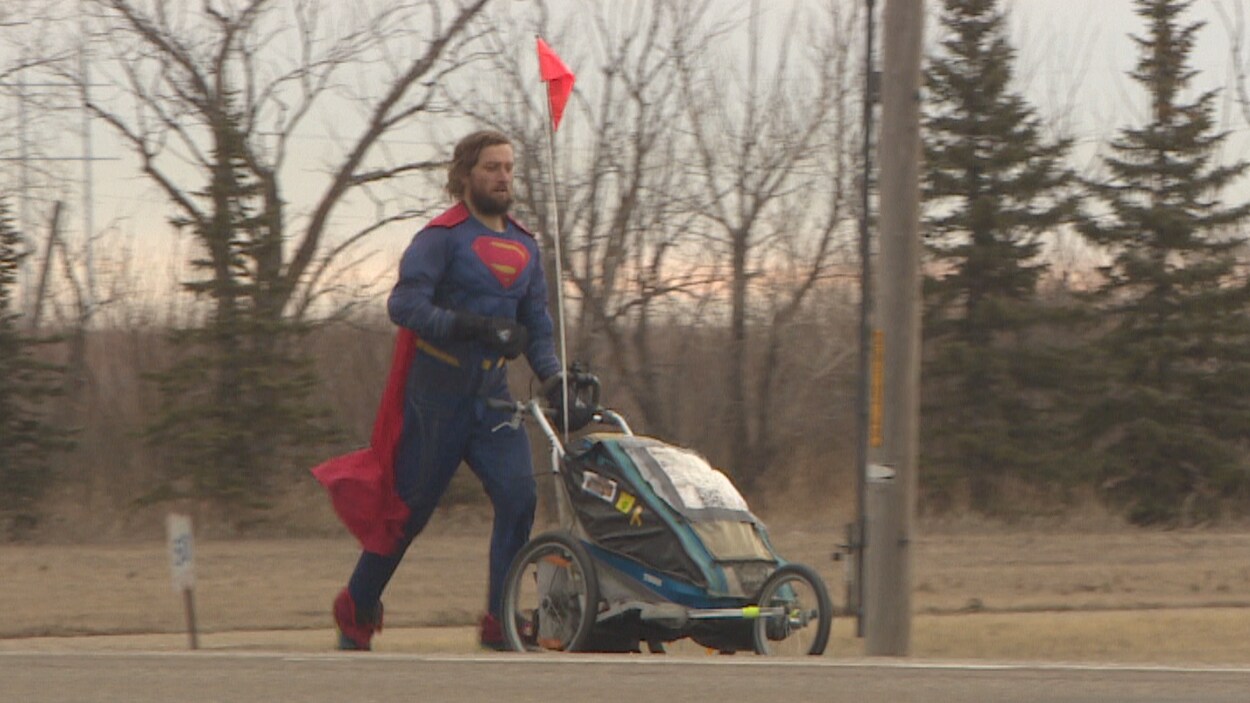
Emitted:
<point x="532" y="313"/>
<point x="411" y="303"/>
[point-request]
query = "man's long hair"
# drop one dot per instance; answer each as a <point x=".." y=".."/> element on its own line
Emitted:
<point x="465" y="157"/>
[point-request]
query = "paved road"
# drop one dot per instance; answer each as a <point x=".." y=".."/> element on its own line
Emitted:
<point x="238" y="677"/>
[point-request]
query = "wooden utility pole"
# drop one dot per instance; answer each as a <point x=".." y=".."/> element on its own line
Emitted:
<point x="855" y="532"/>
<point x="891" y="481"/>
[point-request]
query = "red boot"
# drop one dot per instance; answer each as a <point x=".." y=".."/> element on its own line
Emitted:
<point x="490" y="634"/>
<point x="355" y="628"/>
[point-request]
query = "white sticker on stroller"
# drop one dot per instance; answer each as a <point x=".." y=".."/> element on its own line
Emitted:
<point x="653" y="580"/>
<point x="598" y="486"/>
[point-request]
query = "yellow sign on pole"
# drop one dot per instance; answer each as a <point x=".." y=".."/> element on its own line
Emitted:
<point x="876" y="435"/>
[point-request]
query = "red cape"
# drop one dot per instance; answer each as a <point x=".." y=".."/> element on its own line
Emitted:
<point x="362" y="484"/>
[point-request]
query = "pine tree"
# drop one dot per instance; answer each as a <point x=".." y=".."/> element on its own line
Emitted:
<point x="236" y="407"/>
<point x="29" y="442"/>
<point x="994" y="187"/>
<point x="1174" y="417"/>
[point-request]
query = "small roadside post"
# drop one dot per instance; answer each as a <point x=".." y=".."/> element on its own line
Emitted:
<point x="182" y="567"/>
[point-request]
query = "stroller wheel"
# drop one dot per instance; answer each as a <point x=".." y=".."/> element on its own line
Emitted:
<point x="796" y="613"/>
<point x="551" y="595"/>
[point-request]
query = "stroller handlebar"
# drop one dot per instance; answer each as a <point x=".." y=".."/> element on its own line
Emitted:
<point x="511" y="406"/>
<point x="578" y="380"/>
<point x="545" y="415"/>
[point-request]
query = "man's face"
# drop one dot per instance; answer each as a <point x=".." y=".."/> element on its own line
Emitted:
<point x="490" y="181"/>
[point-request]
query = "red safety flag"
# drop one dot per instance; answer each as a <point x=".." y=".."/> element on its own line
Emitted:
<point x="559" y="80"/>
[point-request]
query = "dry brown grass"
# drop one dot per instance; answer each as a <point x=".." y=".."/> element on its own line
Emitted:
<point x="1185" y="635"/>
<point x="1100" y="593"/>
<point x="1070" y="586"/>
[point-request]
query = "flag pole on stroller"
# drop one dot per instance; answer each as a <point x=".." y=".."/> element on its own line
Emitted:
<point x="559" y="80"/>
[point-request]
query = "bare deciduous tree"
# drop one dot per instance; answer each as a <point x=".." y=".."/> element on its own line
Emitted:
<point x="690" y="201"/>
<point x="251" y="74"/>
<point x="771" y="161"/>
<point x="210" y="100"/>
<point x="624" y="206"/>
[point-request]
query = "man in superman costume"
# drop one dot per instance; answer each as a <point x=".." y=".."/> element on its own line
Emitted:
<point x="471" y="295"/>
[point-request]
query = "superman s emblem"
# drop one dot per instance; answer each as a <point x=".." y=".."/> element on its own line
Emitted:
<point x="505" y="258"/>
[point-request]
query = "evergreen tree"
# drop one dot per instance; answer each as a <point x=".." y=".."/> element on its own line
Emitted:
<point x="994" y="187"/>
<point x="236" y="408"/>
<point x="28" y="441"/>
<point x="1174" y="418"/>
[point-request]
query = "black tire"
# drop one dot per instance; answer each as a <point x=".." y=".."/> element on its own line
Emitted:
<point x="551" y="596"/>
<point x="808" y="613"/>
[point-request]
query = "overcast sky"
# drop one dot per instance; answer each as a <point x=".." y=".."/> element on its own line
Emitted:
<point x="1072" y="64"/>
<point x="1074" y="58"/>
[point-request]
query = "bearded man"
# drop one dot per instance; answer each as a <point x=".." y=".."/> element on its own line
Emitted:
<point x="471" y="296"/>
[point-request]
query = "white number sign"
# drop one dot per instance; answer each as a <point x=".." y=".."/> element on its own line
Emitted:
<point x="181" y="552"/>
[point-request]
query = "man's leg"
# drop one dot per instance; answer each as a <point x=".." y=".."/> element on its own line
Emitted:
<point x="501" y="460"/>
<point x="431" y="447"/>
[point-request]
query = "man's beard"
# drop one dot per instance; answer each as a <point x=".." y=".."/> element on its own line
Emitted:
<point x="489" y="203"/>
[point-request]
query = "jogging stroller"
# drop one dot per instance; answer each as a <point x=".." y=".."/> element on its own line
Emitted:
<point x="654" y="546"/>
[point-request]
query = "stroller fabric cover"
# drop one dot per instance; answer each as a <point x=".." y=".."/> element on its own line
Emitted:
<point x="667" y="508"/>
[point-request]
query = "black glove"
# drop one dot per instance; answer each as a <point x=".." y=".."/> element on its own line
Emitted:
<point x="579" y="410"/>
<point x="508" y="338"/>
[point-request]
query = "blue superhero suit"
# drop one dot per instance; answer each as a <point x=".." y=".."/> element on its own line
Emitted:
<point x="458" y="265"/>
